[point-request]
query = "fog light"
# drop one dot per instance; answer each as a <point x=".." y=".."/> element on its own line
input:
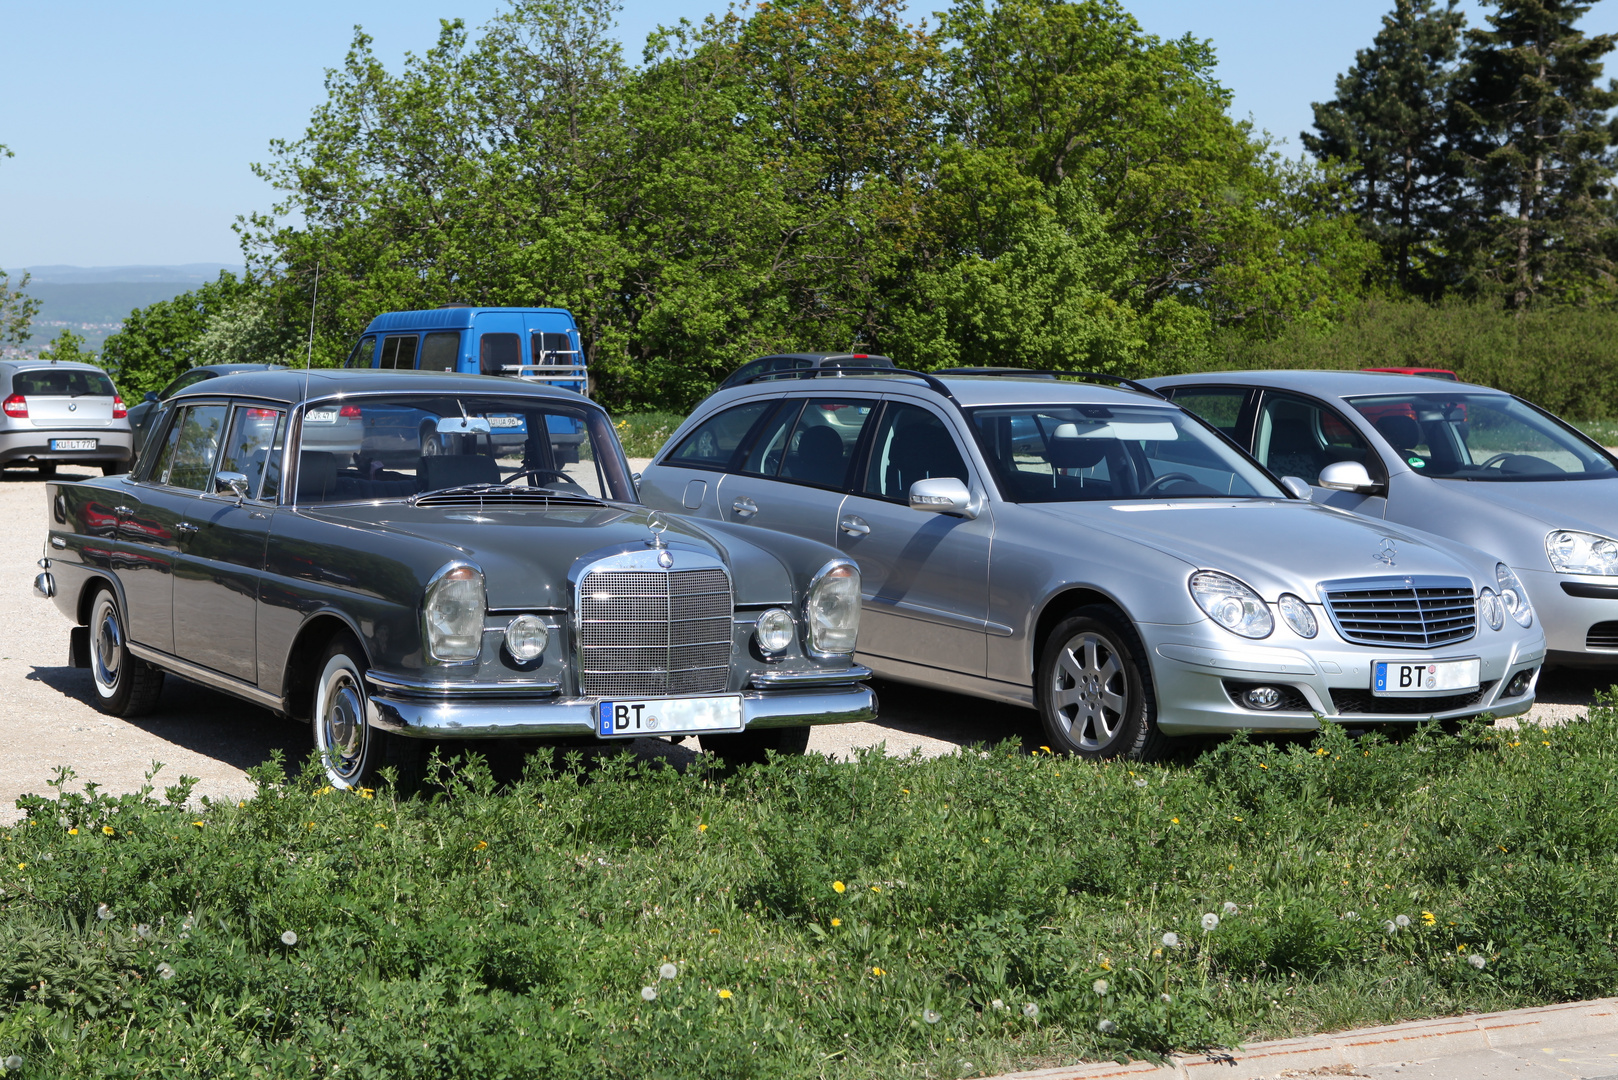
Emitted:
<point x="526" y="637"/>
<point x="1520" y="683"/>
<point x="775" y="631"/>
<point x="1261" y="697"/>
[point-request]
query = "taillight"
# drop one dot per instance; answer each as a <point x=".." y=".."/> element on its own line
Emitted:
<point x="118" y="410"/>
<point x="261" y="414"/>
<point x="350" y="411"/>
<point x="16" y="405"/>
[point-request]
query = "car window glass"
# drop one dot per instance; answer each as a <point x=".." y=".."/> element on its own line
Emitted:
<point x="1298" y="437"/>
<point x="247" y="450"/>
<point x="910" y="444"/>
<point x="159" y="470"/>
<point x="823" y="441"/>
<point x="745" y="372"/>
<point x="271" y="489"/>
<point x="361" y="356"/>
<point x="1482" y="437"/>
<point x="440" y="351"/>
<point x="61" y="382"/>
<point x="551" y="348"/>
<point x="769" y="445"/>
<point x="190" y="378"/>
<point x="197" y="445"/>
<point x="399" y="351"/>
<point x="1220" y="406"/>
<point x="714" y="441"/>
<point x="496" y="352"/>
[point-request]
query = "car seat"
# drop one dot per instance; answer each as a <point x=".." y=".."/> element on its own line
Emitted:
<point x="1402" y="433"/>
<point x="921" y="450"/>
<point x="317" y="476"/>
<point x="1293" y="450"/>
<point x="820" y="457"/>
<point x="456" y="470"/>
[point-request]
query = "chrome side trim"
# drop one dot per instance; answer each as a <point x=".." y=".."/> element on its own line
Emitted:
<point x="405" y="685"/>
<point x="786" y="680"/>
<point x="185" y="669"/>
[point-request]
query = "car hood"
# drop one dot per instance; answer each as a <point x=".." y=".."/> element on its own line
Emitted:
<point x="1591" y="505"/>
<point x="526" y="554"/>
<point x="1277" y="545"/>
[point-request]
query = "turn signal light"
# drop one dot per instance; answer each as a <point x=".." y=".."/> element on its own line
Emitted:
<point x="118" y="410"/>
<point x="16" y="405"/>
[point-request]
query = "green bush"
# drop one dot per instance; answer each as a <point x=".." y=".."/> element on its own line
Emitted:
<point x="909" y="917"/>
<point x="644" y="433"/>
<point x="1564" y="359"/>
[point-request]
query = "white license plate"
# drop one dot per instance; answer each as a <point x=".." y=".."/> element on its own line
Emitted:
<point x="507" y="423"/>
<point x="667" y="716"/>
<point x="1395" y="678"/>
<point x="320" y="416"/>
<point x="73" y="444"/>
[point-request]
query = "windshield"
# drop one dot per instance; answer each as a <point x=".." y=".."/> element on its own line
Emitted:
<point x="1082" y="453"/>
<point x="395" y="446"/>
<point x="1482" y="437"/>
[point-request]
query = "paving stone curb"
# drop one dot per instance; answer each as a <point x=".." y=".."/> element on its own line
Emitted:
<point x="1416" y="1040"/>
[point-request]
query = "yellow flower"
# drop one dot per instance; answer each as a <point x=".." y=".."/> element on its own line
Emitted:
<point x="1233" y="817"/>
<point x="199" y="824"/>
<point x="1174" y="821"/>
<point x="715" y="930"/>
<point x="1262" y="765"/>
<point x="876" y="888"/>
<point x="838" y="886"/>
<point x="878" y="971"/>
<point x="380" y="825"/>
<point x="1429" y="918"/>
<point x="480" y="845"/>
<point x="837" y="922"/>
<point x="725" y="994"/>
<point x="905" y="790"/>
<point x="703" y="827"/>
<point x="310" y="824"/>
<point x="1046" y="749"/>
<point x="73" y="832"/>
<point x="109" y="830"/>
<point x="367" y="793"/>
<point x="1106" y="965"/>
<point x="323" y="791"/>
<point x="22" y="866"/>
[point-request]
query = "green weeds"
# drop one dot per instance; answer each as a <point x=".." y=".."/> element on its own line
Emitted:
<point x="945" y="917"/>
<point x="644" y="433"/>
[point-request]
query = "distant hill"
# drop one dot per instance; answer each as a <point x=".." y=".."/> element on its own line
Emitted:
<point x="191" y="273"/>
<point x="92" y="300"/>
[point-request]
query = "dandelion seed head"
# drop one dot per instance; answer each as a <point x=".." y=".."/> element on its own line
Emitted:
<point x="1476" y="961"/>
<point x="1140" y="781"/>
<point x="103" y="912"/>
<point x="289" y="937"/>
<point x="1099" y="986"/>
<point x="1166" y="998"/>
<point x="997" y="1005"/>
<point x="1031" y="1011"/>
<point x="667" y="971"/>
<point x="143" y="931"/>
<point x="648" y="994"/>
<point x="931" y="1016"/>
<point x="1402" y="920"/>
<point x="164" y="971"/>
<point x="1210" y="921"/>
<point x="1171" y="940"/>
<point x="1391" y="927"/>
<point x="1351" y="916"/>
<point x="1230" y="908"/>
<point x="1106" y="1027"/>
<point x="13" y="1062"/>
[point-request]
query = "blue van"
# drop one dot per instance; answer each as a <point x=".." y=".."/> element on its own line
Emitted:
<point x="535" y="344"/>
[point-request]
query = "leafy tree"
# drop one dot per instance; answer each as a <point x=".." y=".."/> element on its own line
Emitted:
<point x="161" y="340"/>
<point x="17" y="308"/>
<point x="68" y="347"/>
<point x="1389" y="123"/>
<point x="1537" y="143"/>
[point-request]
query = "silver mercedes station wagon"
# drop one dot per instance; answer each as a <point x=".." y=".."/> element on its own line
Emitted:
<point x="1468" y="462"/>
<point x="1102" y="555"/>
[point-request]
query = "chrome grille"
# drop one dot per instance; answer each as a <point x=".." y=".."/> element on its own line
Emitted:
<point x="1402" y="612"/>
<point x="652" y="633"/>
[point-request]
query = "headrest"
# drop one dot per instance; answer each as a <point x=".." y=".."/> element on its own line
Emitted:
<point x="317" y="475"/>
<point x="1402" y="432"/>
<point x="1067" y="450"/>
<point x="820" y="442"/>
<point x="457" y="469"/>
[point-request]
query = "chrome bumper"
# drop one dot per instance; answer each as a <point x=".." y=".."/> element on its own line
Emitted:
<point x="497" y="718"/>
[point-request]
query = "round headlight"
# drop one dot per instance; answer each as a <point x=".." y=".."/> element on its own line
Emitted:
<point x="832" y="609"/>
<point x="1490" y="609"/>
<point x="453" y="613"/>
<point x="1581" y="553"/>
<point x="1298" y="615"/>
<point x="775" y="631"/>
<point x="1231" y="604"/>
<point x="1514" y="596"/>
<point x="526" y="637"/>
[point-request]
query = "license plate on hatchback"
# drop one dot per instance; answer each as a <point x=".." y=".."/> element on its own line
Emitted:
<point x="320" y="416"/>
<point x="667" y="716"/>
<point x="1396" y="678"/>
<point x="73" y="444"/>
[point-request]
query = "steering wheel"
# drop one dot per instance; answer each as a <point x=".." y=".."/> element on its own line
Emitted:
<point x="538" y="476"/>
<point x="1165" y="478"/>
<point x="1496" y="460"/>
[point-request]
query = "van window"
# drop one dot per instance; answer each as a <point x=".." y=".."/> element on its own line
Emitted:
<point x="60" y="382"/>
<point x="361" y="356"/>
<point x="496" y="352"/>
<point x="552" y="348"/>
<point x="399" y="351"/>
<point x="440" y="351"/>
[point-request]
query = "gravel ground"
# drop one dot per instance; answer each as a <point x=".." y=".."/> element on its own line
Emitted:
<point x="47" y="719"/>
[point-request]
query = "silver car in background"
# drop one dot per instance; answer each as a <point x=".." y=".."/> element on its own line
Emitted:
<point x="61" y="413"/>
<point x="1467" y="462"/>
<point x="1103" y="556"/>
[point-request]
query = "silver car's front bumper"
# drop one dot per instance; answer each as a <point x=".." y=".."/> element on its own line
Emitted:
<point x="490" y="717"/>
<point x="1198" y="683"/>
<point x="1580" y="613"/>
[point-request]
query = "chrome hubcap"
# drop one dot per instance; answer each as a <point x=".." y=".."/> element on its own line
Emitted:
<point x="1089" y="691"/>
<point x="107" y="645"/>
<point x="342" y="724"/>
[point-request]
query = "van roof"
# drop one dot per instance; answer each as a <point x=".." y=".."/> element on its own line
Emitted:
<point x="451" y="318"/>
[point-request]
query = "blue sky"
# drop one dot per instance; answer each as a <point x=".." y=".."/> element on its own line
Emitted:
<point x="134" y="124"/>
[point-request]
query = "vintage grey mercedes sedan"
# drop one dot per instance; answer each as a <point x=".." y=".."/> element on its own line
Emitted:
<point x="1102" y="555"/>
<point x="492" y="587"/>
<point x="1467" y="462"/>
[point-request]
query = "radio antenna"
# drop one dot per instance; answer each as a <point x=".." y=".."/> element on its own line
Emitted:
<point x="309" y="354"/>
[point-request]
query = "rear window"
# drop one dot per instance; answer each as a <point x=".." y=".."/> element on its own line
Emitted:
<point x="61" y="382"/>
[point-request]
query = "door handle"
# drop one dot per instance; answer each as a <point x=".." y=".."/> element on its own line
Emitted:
<point x="123" y="511"/>
<point x="854" y="525"/>
<point x="744" y="507"/>
<point x="186" y="528"/>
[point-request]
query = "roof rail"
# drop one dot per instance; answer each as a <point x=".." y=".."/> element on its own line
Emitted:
<point x="1051" y="373"/>
<point x="840" y="372"/>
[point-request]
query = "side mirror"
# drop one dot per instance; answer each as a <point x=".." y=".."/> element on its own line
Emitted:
<point x="634" y="478"/>
<point x="1298" y="486"/>
<point x="940" y="495"/>
<point x="231" y="483"/>
<point x="151" y="395"/>
<point x="1349" y="476"/>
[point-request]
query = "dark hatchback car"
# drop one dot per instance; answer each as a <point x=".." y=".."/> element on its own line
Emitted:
<point x="140" y="416"/>
<point x="486" y="590"/>
<point x="784" y="364"/>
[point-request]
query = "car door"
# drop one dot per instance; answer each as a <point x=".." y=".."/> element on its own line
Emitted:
<point x="687" y="479"/>
<point x="794" y="475"/>
<point x="1294" y="435"/>
<point x="924" y="576"/>
<point x="221" y="556"/>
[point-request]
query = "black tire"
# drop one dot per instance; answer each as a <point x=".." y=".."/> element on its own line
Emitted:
<point x="124" y="684"/>
<point x="352" y="752"/>
<point x="47" y="469"/>
<point x="753" y="747"/>
<point x="1094" y="691"/>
